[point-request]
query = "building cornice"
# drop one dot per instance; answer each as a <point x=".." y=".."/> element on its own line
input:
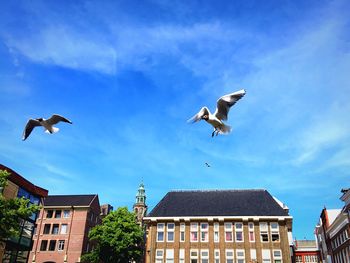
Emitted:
<point x="218" y="218"/>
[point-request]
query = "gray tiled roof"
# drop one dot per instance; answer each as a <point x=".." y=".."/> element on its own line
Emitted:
<point x="218" y="203"/>
<point x="68" y="200"/>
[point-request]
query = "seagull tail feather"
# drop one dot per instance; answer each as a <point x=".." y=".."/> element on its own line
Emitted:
<point x="54" y="130"/>
<point x="225" y="129"/>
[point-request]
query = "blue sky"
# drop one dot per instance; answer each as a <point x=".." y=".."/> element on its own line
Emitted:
<point x="130" y="73"/>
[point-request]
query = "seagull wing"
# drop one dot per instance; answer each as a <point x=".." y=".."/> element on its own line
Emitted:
<point x="226" y="102"/>
<point x="199" y="115"/>
<point x="31" y="124"/>
<point x="57" y="118"/>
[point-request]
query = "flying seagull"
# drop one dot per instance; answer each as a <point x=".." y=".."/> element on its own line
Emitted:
<point x="223" y="106"/>
<point x="207" y="164"/>
<point x="47" y="124"/>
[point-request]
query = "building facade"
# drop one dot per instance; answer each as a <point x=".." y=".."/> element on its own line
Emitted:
<point x="218" y="226"/>
<point x="333" y="232"/>
<point x="306" y="251"/>
<point x="62" y="228"/>
<point x="17" y="249"/>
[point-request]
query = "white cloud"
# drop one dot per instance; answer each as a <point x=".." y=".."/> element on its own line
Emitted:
<point x="62" y="46"/>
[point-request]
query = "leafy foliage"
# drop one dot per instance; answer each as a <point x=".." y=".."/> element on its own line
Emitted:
<point x="118" y="239"/>
<point x="12" y="210"/>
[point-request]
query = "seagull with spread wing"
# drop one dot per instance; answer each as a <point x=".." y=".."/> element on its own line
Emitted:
<point x="47" y="124"/>
<point x="222" y="108"/>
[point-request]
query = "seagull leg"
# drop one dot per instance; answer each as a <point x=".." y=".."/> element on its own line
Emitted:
<point x="212" y="135"/>
<point x="217" y="132"/>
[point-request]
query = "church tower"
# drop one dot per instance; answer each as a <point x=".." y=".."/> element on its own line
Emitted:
<point x="140" y="207"/>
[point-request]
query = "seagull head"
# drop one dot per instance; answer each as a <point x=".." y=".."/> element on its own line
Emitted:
<point x="40" y="119"/>
<point x="205" y="117"/>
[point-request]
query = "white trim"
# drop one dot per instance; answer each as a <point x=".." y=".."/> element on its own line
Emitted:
<point x="219" y="218"/>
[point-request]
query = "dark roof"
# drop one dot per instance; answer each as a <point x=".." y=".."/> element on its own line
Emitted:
<point x="24" y="183"/>
<point x="218" y="203"/>
<point x="68" y="200"/>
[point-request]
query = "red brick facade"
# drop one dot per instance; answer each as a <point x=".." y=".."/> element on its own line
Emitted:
<point x="62" y="232"/>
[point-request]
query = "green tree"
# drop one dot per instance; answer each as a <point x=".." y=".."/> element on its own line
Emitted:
<point x="12" y="210"/>
<point x="118" y="239"/>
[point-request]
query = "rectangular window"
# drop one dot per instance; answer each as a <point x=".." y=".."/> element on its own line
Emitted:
<point x="194" y="232"/>
<point x="216" y="232"/>
<point x="277" y="256"/>
<point x="182" y="232"/>
<point x="239" y="232"/>
<point x="194" y="255"/>
<point x="217" y="256"/>
<point x="47" y="228"/>
<point x="52" y="245"/>
<point x="60" y="245"/>
<point x="266" y="256"/>
<point x="253" y="254"/>
<point x="204" y="256"/>
<point x="58" y="213"/>
<point x="229" y="255"/>
<point x="251" y="232"/>
<point x="66" y="213"/>
<point x="228" y="232"/>
<point x="160" y="232"/>
<point x="169" y="256"/>
<point x="240" y="256"/>
<point x="264" y="237"/>
<point x="55" y="228"/>
<point x="63" y="229"/>
<point x="43" y="245"/>
<point x="170" y="232"/>
<point x="159" y="255"/>
<point x="181" y="255"/>
<point x="49" y="213"/>
<point x="204" y="232"/>
<point x="275" y="235"/>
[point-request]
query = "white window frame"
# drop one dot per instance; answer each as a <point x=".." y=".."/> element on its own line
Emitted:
<point x="160" y="229"/>
<point x="240" y="258"/>
<point x="253" y="254"/>
<point x="182" y="230"/>
<point x="60" y="245"/>
<point x="181" y="255"/>
<point x="264" y="230"/>
<point x="205" y="257"/>
<point x="205" y="231"/>
<point x="277" y="257"/>
<point x="239" y="230"/>
<point x="169" y="256"/>
<point x="266" y="255"/>
<point x="251" y="230"/>
<point x="194" y="229"/>
<point x="66" y="213"/>
<point x="170" y="230"/>
<point x="193" y="256"/>
<point x="160" y="257"/>
<point x="231" y="257"/>
<point x="275" y="231"/>
<point x="228" y="230"/>
<point x="62" y="227"/>
<point x="216" y="255"/>
<point x="216" y="232"/>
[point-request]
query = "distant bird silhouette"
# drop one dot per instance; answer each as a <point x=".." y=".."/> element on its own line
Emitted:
<point x="222" y="108"/>
<point x="47" y="124"/>
<point x="207" y="164"/>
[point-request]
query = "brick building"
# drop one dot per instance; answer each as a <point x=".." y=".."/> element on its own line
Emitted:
<point x="306" y="251"/>
<point x="218" y="226"/>
<point x="62" y="228"/>
<point x="17" y="249"/>
<point x="333" y="232"/>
